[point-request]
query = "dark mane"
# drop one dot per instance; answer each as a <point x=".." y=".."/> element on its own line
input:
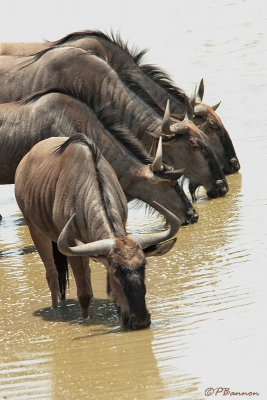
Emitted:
<point x="79" y="35"/>
<point x="128" y="78"/>
<point x="113" y="38"/>
<point x="101" y="177"/>
<point x="156" y="74"/>
<point x="131" y="143"/>
<point x="106" y="198"/>
<point x="83" y="140"/>
<point x="134" y="52"/>
<point x="161" y="78"/>
<point x="120" y="133"/>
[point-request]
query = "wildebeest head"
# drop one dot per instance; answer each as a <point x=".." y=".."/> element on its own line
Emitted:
<point x="125" y="258"/>
<point x="188" y="148"/>
<point x="126" y="282"/>
<point x="209" y="122"/>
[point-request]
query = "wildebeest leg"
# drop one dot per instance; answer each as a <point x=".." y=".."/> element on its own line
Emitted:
<point x="61" y="263"/>
<point x="44" y="248"/>
<point x="82" y="274"/>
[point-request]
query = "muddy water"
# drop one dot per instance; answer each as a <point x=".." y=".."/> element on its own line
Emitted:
<point x="207" y="297"/>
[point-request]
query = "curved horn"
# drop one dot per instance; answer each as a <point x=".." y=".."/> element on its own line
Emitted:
<point x="166" y="119"/>
<point x="200" y="92"/>
<point x="192" y="99"/>
<point x="157" y="163"/>
<point x="216" y="106"/>
<point x="149" y="239"/>
<point x="188" y="110"/>
<point x="94" y="249"/>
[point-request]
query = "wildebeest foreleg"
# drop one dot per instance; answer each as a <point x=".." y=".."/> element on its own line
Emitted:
<point x="44" y="248"/>
<point x="82" y="274"/>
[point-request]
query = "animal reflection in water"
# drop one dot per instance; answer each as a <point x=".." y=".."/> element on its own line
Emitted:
<point x="70" y="195"/>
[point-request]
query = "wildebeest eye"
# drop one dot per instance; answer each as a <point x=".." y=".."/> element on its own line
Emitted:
<point x="200" y="118"/>
<point x="195" y="146"/>
<point x="194" y="143"/>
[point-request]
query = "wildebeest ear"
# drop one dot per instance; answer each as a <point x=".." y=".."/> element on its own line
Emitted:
<point x="160" y="248"/>
<point x="200" y="92"/>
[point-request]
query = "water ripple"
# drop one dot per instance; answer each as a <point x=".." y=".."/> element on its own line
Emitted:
<point x="25" y="379"/>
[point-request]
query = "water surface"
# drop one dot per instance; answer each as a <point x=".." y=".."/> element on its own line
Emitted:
<point x="207" y="297"/>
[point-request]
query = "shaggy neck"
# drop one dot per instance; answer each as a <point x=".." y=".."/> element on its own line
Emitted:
<point x="93" y="194"/>
<point x="147" y="88"/>
<point x="128" y="109"/>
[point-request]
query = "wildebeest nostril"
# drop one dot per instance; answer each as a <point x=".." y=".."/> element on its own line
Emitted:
<point x="235" y="164"/>
<point x="139" y="322"/>
<point x="192" y="216"/>
<point x="195" y="217"/>
<point x="222" y="187"/>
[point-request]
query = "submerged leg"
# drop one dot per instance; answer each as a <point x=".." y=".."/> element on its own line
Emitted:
<point x="192" y="189"/>
<point x="82" y="274"/>
<point x="44" y="248"/>
<point x="61" y="263"/>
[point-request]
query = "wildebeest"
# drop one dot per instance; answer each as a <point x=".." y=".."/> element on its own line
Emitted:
<point x="92" y="80"/>
<point x="149" y="82"/>
<point x="69" y="194"/>
<point x="208" y="120"/>
<point x="53" y="113"/>
<point x="21" y="48"/>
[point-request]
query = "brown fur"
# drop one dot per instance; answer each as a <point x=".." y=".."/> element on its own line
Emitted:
<point x="100" y="84"/>
<point x="149" y="82"/>
<point x="55" y="114"/>
<point x="126" y="252"/>
<point x="58" y="177"/>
